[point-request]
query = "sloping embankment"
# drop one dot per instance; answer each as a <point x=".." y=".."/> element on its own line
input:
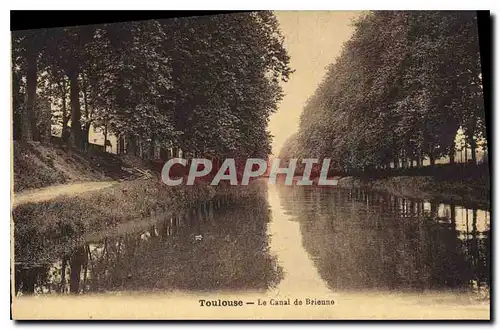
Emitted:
<point x="38" y="165"/>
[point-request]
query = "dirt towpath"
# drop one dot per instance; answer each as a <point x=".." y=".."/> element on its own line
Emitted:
<point x="48" y="193"/>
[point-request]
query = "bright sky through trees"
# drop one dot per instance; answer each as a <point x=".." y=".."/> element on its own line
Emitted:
<point x="313" y="40"/>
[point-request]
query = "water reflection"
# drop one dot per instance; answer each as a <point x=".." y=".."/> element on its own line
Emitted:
<point x="353" y="240"/>
<point x="215" y="246"/>
<point x="364" y="240"/>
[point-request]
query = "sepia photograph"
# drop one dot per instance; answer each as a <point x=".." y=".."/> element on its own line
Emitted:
<point x="251" y="165"/>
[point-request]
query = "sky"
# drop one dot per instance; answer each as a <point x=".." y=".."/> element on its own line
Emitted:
<point x="313" y="39"/>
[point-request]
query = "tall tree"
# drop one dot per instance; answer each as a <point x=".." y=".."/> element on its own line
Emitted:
<point x="402" y="86"/>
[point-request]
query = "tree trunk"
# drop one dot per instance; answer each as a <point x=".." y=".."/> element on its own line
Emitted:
<point x="163" y="154"/>
<point x="434" y="210"/>
<point x="453" y="215"/>
<point x="451" y="153"/>
<point x="29" y="131"/>
<point x="105" y="134"/>
<point x="77" y="260"/>
<point x="432" y="160"/>
<point x="65" y="118"/>
<point x="152" y="148"/>
<point x="473" y="147"/>
<point x="132" y="145"/>
<point x="87" y="119"/>
<point x="29" y="281"/>
<point x="16" y="106"/>
<point x="152" y="231"/>
<point x="432" y="157"/>
<point x="121" y="144"/>
<point x="76" y="129"/>
<point x="63" y="274"/>
<point x="140" y="148"/>
<point x="85" y="136"/>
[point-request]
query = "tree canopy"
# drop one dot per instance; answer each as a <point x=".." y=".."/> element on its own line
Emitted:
<point x="402" y="86"/>
<point x="206" y="85"/>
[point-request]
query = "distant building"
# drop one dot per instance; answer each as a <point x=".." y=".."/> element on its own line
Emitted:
<point x="462" y="153"/>
<point x="96" y="136"/>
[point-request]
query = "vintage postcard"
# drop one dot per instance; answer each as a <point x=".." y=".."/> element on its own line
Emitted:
<point x="259" y="165"/>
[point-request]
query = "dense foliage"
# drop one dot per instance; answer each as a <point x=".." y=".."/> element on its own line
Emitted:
<point x="206" y="85"/>
<point x="403" y="85"/>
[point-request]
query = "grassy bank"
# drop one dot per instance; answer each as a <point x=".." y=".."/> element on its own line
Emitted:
<point x="113" y="220"/>
<point x="465" y="192"/>
<point x="38" y="165"/>
<point x="63" y="222"/>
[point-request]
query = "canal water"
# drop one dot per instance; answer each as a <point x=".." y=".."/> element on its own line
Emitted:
<point x="366" y="241"/>
<point x="286" y="240"/>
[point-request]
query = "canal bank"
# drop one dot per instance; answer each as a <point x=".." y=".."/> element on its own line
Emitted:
<point x="466" y="192"/>
<point x="143" y="238"/>
<point x="62" y="222"/>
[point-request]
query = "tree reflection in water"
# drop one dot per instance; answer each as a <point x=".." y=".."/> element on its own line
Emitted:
<point x="357" y="239"/>
<point x="212" y="247"/>
<point x="366" y="240"/>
